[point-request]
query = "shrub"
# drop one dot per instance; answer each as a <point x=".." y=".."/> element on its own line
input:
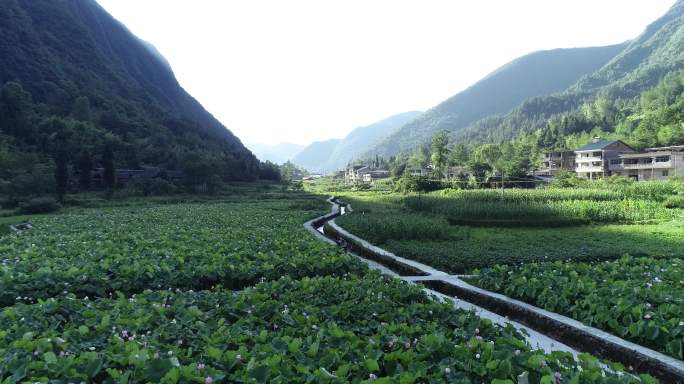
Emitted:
<point x="152" y="187"/>
<point x="39" y="205"/>
<point x="674" y="202"/>
<point x="567" y="179"/>
<point x="408" y="184"/>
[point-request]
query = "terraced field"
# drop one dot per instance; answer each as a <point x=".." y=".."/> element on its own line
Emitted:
<point x="237" y="291"/>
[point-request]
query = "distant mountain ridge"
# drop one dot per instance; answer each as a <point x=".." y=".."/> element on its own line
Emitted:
<point x="276" y="153"/>
<point x="331" y="155"/>
<point x="535" y="74"/>
<point x="642" y="63"/>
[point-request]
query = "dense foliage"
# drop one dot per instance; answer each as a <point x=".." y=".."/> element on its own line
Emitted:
<point x="74" y="84"/>
<point x="191" y="246"/>
<point x="350" y="329"/>
<point x="144" y="294"/>
<point x="640" y="299"/>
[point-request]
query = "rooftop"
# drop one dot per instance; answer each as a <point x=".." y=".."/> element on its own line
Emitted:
<point x="675" y="148"/>
<point x="599" y="145"/>
<point x="646" y="154"/>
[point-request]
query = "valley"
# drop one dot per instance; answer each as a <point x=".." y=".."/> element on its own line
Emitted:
<point x="526" y="229"/>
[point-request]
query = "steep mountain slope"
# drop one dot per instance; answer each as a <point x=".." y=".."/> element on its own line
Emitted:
<point x="60" y="51"/>
<point x="659" y="50"/>
<point x="276" y="153"/>
<point x="536" y="74"/>
<point x="331" y="155"/>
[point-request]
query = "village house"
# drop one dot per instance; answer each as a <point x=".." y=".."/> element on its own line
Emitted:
<point x="602" y="158"/>
<point x="418" y="171"/>
<point x="376" y="174"/>
<point x="555" y="162"/>
<point x="456" y="172"/>
<point x="592" y="161"/>
<point x="364" y="174"/>
<point x="124" y="176"/>
<point x="653" y="164"/>
<point x="355" y="173"/>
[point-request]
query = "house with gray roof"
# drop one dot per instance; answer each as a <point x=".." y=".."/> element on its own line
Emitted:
<point x="592" y="161"/>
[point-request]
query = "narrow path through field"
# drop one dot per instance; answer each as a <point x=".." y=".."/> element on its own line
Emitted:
<point x="545" y="330"/>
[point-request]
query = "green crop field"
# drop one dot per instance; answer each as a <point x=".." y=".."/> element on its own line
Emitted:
<point x="615" y="264"/>
<point x="236" y="290"/>
<point x="640" y="299"/>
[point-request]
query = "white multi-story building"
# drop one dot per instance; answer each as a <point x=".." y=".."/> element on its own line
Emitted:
<point x="593" y="160"/>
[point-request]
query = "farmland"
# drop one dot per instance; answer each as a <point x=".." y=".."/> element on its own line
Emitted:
<point x="609" y="257"/>
<point x="235" y="290"/>
<point x="638" y="298"/>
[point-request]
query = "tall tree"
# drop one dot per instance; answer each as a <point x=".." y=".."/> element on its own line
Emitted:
<point x="421" y="157"/>
<point x="85" y="165"/>
<point x="81" y="109"/>
<point x="490" y="154"/>
<point x="16" y="111"/>
<point x="440" y="151"/>
<point x="459" y="155"/>
<point x="109" y="170"/>
<point x="61" y="172"/>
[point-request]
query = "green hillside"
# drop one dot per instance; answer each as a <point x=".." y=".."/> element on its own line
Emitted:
<point x="659" y="50"/>
<point x="75" y="82"/>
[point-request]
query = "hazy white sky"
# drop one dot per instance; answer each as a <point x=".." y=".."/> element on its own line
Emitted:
<point x="305" y="70"/>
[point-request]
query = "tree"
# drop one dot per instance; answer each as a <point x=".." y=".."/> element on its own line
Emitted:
<point x="81" y="109"/>
<point x="61" y="173"/>
<point x="269" y="171"/>
<point x="16" y="111"/>
<point x="490" y="154"/>
<point x="440" y="151"/>
<point x="288" y="171"/>
<point x="109" y="176"/>
<point x="459" y="155"/>
<point x="421" y="157"/>
<point x="85" y="165"/>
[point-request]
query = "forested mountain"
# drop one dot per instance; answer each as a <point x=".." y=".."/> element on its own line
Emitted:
<point x="276" y="153"/>
<point x="328" y="156"/>
<point x="536" y="74"/>
<point x="76" y="83"/>
<point x="643" y="63"/>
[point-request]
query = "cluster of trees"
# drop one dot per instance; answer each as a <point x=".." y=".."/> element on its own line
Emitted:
<point x="43" y="153"/>
<point x="514" y="158"/>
